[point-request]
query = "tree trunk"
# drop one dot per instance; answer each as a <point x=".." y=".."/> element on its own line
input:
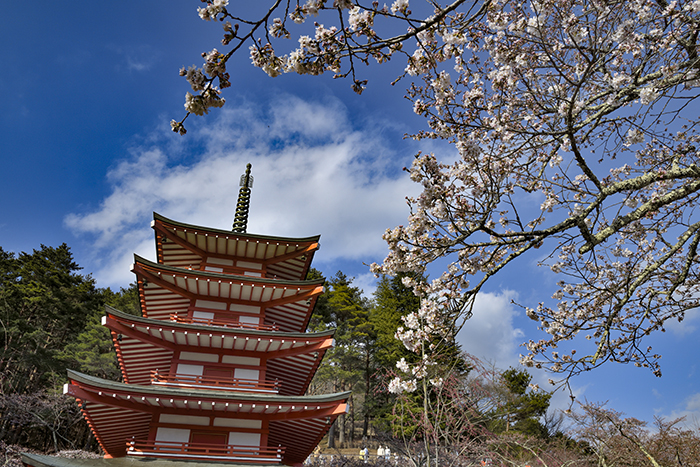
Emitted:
<point x="331" y="436"/>
<point x="365" y="426"/>
<point x="341" y="430"/>
<point x="352" y="421"/>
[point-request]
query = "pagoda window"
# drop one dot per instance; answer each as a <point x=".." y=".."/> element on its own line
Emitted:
<point x="249" y="319"/>
<point x="193" y="370"/>
<point x="244" y="439"/>
<point x="246" y="374"/>
<point x="219" y="261"/>
<point x="248" y="309"/>
<point x="210" y="304"/>
<point x="217" y="264"/>
<point x="248" y="266"/>
<point x="166" y="418"/>
<point x="236" y="360"/>
<point x="172" y="435"/>
<point x="202" y="315"/>
<point x="238" y="423"/>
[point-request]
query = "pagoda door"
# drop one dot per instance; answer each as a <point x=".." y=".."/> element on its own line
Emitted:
<point x="209" y="442"/>
<point x="222" y="375"/>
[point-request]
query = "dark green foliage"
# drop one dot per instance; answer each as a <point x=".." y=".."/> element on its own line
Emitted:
<point x="92" y="351"/>
<point x="50" y="321"/>
<point x="319" y="318"/>
<point x="347" y="366"/>
<point x="126" y="300"/>
<point x="523" y="409"/>
<point x="392" y="300"/>
<point x="44" y="304"/>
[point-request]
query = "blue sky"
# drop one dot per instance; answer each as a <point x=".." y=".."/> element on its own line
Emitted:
<point x="87" y="155"/>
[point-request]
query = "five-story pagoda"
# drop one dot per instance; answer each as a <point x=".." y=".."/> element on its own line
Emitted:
<point x="217" y="367"/>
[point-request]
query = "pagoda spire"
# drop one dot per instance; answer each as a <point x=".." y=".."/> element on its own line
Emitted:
<point x="240" y="222"/>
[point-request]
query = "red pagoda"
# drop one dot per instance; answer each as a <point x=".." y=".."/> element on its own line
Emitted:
<point x="216" y="368"/>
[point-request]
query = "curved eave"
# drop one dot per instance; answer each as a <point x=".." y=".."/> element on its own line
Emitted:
<point x="143" y="345"/>
<point x="228" y="277"/>
<point x="282" y="257"/>
<point x="143" y="398"/>
<point x="218" y="330"/>
<point x="288" y="304"/>
<point x="116" y="412"/>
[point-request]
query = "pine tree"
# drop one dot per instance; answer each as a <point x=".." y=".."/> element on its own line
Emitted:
<point x="522" y="407"/>
<point x="44" y="304"/>
<point x="348" y="365"/>
<point x="92" y="351"/>
<point x="392" y="300"/>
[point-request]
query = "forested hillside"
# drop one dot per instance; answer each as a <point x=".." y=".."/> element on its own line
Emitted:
<point x="471" y="412"/>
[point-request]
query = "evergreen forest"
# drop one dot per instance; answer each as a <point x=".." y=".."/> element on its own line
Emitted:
<point x="50" y="314"/>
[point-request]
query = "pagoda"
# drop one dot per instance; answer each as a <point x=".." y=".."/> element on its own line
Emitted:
<point x="217" y="367"/>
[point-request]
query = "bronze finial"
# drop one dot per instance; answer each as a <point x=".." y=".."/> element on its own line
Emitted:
<point x="240" y="221"/>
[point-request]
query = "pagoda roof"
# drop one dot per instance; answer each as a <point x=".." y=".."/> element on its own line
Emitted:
<point x="147" y="344"/>
<point x="117" y="411"/>
<point x="169" y="289"/>
<point x="187" y="245"/>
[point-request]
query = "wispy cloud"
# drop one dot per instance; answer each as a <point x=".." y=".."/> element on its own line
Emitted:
<point x="687" y="326"/>
<point x="689" y="410"/>
<point x="314" y="173"/>
<point x="134" y="58"/>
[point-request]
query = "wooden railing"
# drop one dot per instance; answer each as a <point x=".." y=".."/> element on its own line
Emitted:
<point x="216" y="452"/>
<point x="223" y="323"/>
<point x="233" y="384"/>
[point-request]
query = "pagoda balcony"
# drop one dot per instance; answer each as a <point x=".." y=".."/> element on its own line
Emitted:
<point x="224" y="323"/>
<point x="207" y="382"/>
<point x="205" y="452"/>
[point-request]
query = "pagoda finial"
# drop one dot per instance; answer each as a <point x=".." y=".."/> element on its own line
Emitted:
<point x="240" y="222"/>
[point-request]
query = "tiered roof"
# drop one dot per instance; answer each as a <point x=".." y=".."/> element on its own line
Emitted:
<point x="220" y="352"/>
<point x="144" y="345"/>
<point x="195" y="247"/>
<point x="169" y="290"/>
<point x="118" y="412"/>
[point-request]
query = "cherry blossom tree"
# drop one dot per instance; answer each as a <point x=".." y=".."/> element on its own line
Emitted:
<point x="445" y="420"/>
<point x="574" y="129"/>
<point x="616" y="440"/>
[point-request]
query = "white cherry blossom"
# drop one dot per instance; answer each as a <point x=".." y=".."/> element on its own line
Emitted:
<point x="575" y="145"/>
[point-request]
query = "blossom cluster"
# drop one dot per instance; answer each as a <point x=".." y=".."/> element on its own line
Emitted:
<point x="326" y="50"/>
<point x="212" y="9"/>
<point x="568" y="147"/>
<point x="200" y="80"/>
<point x="550" y="128"/>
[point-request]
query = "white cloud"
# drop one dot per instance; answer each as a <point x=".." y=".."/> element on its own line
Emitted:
<point x="367" y="283"/>
<point x="685" y="327"/>
<point x="489" y="334"/>
<point x="314" y="174"/>
<point x="689" y="409"/>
